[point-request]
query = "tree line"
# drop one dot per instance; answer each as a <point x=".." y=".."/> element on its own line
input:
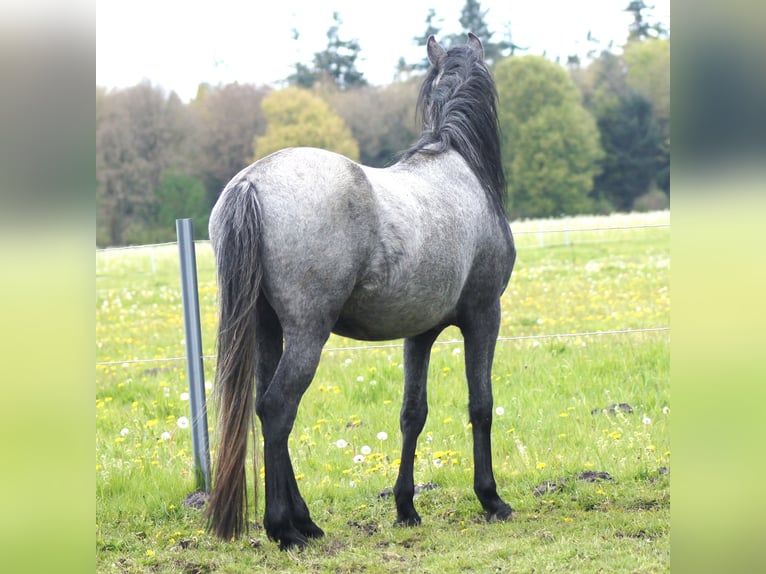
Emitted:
<point x="577" y="137"/>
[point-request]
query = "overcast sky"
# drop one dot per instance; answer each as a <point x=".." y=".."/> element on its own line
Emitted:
<point x="177" y="43"/>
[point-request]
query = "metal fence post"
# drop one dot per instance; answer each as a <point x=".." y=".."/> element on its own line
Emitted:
<point x="190" y="299"/>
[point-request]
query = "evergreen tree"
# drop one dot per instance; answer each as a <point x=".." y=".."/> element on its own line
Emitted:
<point x="336" y="63"/>
<point x="640" y="28"/>
<point x="631" y="139"/>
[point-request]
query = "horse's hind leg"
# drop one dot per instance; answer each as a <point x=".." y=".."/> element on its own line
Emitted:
<point x="417" y="353"/>
<point x="286" y="517"/>
<point x="480" y="330"/>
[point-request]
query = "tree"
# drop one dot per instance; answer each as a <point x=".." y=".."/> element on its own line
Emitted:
<point x="640" y="28"/>
<point x="227" y="119"/>
<point x="336" y="63"/>
<point x="472" y="19"/>
<point x="177" y="196"/>
<point x="141" y="132"/>
<point x="618" y="90"/>
<point x="550" y="142"/>
<point x="648" y="73"/>
<point x="431" y="30"/>
<point x="631" y="140"/>
<point x="382" y="119"/>
<point x="296" y="117"/>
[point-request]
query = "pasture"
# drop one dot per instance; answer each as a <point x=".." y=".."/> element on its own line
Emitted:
<point x="550" y="425"/>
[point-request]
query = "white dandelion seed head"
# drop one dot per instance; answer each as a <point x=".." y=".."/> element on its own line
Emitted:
<point x="646" y="420"/>
<point x="124" y="432"/>
<point x="360" y="379"/>
<point x="358" y="458"/>
<point x="365" y="450"/>
<point x="208" y="385"/>
<point x="347" y="361"/>
<point x="165" y="436"/>
<point x="665" y="410"/>
<point x="500" y="411"/>
<point x="382" y="435"/>
<point x="183" y="423"/>
<point x="340" y="443"/>
<point x="438" y="462"/>
<point x="184" y="396"/>
<point x="456" y="351"/>
<point x="373" y="382"/>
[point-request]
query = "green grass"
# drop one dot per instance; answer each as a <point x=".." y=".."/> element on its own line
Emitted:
<point x="546" y="390"/>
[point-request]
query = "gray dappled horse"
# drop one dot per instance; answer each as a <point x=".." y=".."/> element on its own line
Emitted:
<point x="308" y="242"/>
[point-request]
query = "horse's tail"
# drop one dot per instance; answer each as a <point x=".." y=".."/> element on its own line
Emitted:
<point x="235" y="233"/>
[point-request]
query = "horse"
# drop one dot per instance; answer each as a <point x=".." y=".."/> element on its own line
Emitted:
<point x="308" y="242"/>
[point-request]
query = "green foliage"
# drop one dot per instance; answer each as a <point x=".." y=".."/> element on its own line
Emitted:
<point x="631" y="140"/>
<point x="550" y="142"/>
<point x="648" y="73"/>
<point x="296" y="117"/>
<point x="629" y="96"/>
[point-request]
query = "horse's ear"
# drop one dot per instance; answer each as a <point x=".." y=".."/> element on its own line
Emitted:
<point x="475" y="44"/>
<point x="435" y="52"/>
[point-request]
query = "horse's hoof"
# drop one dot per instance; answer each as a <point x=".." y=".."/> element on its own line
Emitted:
<point x="311" y="530"/>
<point x="292" y="541"/>
<point x="413" y="520"/>
<point x="504" y="512"/>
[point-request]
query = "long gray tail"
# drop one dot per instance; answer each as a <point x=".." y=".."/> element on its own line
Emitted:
<point x="237" y="235"/>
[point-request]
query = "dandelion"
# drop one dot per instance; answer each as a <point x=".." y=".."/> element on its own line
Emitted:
<point x="358" y="458"/>
<point x="183" y="423"/>
<point x="360" y="379"/>
<point x="347" y="361"/>
<point x="541" y="465"/>
<point x="456" y="351"/>
<point x="184" y="396"/>
<point x="124" y="432"/>
<point x="500" y="411"/>
<point x="438" y="462"/>
<point x="646" y="420"/>
<point x="665" y="410"/>
<point x="208" y="385"/>
<point x="382" y="435"/>
<point x="365" y="450"/>
<point x="373" y="382"/>
<point x="165" y="436"/>
<point x="340" y="443"/>
<point x="150" y="552"/>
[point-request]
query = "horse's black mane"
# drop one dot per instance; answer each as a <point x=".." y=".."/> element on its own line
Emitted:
<point x="460" y="112"/>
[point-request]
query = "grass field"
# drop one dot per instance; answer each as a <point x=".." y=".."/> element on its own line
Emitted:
<point x="549" y="427"/>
